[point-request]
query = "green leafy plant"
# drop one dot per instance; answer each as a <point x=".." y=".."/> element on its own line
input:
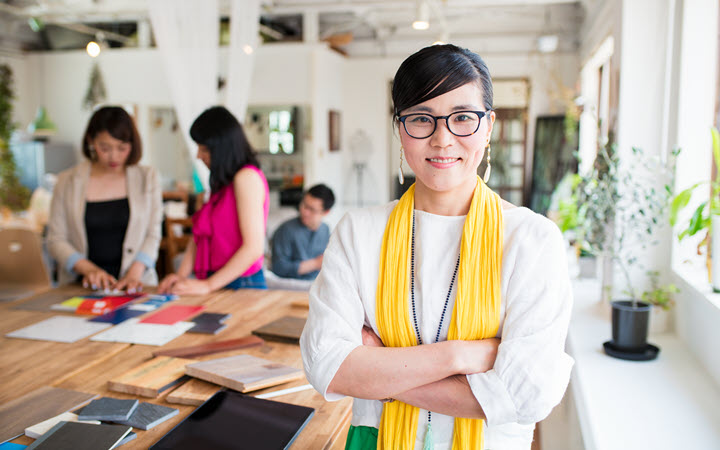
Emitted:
<point x="620" y="226"/>
<point x="13" y="195"/>
<point x="659" y="295"/>
<point x="701" y="217"/>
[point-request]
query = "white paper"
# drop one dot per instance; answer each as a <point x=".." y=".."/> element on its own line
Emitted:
<point x="133" y="332"/>
<point x="60" y="329"/>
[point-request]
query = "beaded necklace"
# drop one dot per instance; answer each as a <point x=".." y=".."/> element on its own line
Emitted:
<point x="412" y="300"/>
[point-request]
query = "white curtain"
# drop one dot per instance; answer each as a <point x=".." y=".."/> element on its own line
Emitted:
<point x="187" y="33"/>
<point x="244" y="20"/>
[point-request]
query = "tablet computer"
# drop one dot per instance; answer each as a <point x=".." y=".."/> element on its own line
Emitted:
<point x="231" y="420"/>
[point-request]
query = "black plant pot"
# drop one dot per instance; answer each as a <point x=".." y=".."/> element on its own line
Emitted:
<point x="630" y="324"/>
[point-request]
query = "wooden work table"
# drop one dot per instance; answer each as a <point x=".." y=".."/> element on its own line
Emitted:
<point x="87" y="366"/>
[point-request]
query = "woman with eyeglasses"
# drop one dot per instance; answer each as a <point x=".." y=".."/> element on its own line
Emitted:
<point x="229" y="231"/>
<point x="444" y="314"/>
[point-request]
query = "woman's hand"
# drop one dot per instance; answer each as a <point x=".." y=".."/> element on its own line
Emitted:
<point x="129" y="284"/>
<point x="191" y="287"/>
<point x="475" y="356"/>
<point x="371" y="339"/>
<point x="97" y="278"/>
<point x="131" y="281"/>
<point x="167" y="283"/>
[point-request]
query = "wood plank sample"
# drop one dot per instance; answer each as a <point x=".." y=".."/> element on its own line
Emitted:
<point x="152" y="377"/>
<point x="244" y="373"/>
<point x="284" y="329"/>
<point x="37" y="406"/>
<point x="193" y="393"/>
<point x="210" y="348"/>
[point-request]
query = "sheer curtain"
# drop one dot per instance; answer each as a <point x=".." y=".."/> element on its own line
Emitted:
<point x="244" y="20"/>
<point x="187" y="34"/>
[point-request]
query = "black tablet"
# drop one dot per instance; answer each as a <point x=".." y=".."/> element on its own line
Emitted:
<point x="230" y="420"/>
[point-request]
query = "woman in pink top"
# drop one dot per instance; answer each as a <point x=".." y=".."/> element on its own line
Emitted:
<point x="228" y="232"/>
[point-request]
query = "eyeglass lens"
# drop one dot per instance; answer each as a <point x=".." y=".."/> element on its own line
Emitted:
<point x="459" y="123"/>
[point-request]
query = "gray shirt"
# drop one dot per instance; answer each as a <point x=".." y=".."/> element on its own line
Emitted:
<point x="293" y="243"/>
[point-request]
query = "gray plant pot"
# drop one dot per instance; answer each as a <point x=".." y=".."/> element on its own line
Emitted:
<point x="630" y="325"/>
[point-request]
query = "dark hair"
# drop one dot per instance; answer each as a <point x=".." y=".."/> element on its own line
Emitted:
<point x="438" y="69"/>
<point x="324" y="193"/>
<point x="218" y="130"/>
<point x="118" y="123"/>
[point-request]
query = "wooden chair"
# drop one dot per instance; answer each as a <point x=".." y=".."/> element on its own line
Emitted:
<point x="22" y="269"/>
<point x="174" y="243"/>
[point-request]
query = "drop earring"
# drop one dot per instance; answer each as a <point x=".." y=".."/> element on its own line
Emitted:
<point x="401" y="178"/>
<point x="486" y="176"/>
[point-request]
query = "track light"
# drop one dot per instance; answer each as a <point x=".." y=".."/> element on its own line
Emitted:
<point x="422" y="16"/>
<point x="93" y="49"/>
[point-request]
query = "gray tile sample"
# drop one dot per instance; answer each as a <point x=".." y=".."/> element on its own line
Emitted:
<point x="109" y="409"/>
<point x="149" y="415"/>
<point x="81" y="436"/>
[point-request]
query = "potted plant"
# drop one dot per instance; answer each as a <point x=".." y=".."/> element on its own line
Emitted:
<point x="705" y="219"/>
<point x="620" y="211"/>
<point x="13" y="195"/>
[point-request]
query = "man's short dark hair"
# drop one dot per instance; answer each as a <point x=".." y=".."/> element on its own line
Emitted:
<point x="324" y="193"/>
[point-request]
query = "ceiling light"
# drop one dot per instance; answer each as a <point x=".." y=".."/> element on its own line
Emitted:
<point x="93" y="49"/>
<point x="422" y="16"/>
<point x="247" y="49"/>
<point x="547" y="43"/>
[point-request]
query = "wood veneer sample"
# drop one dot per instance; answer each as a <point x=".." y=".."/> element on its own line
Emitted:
<point x="244" y="373"/>
<point x="193" y="393"/>
<point x="37" y="406"/>
<point x="284" y="329"/>
<point x="210" y="348"/>
<point x="152" y="377"/>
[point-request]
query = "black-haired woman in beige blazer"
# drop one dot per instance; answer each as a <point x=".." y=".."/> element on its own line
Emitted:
<point x="106" y="213"/>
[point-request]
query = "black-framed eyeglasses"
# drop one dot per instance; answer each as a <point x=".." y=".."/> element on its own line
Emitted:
<point x="459" y="123"/>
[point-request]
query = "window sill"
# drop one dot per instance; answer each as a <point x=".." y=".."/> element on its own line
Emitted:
<point x="668" y="403"/>
<point x="695" y="278"/>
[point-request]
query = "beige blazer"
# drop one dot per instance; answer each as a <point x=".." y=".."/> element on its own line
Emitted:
<point x="67" y="239"/>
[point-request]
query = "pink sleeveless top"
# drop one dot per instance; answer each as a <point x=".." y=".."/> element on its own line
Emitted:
<point x="216" y="230"/>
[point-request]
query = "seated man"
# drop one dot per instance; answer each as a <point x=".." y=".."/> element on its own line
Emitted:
<point x="299" y="243"/>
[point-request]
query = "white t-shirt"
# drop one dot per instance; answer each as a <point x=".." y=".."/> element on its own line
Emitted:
<point x="531" y="371"/>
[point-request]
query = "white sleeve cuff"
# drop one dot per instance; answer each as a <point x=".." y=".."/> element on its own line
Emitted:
<point x="493" y="397"/>
<point x="326" y="366"/>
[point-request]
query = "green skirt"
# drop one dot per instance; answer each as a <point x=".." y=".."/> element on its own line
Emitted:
<point x="361" y="438"/>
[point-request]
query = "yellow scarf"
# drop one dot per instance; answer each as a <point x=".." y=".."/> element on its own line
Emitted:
<point x="476" y="314"/>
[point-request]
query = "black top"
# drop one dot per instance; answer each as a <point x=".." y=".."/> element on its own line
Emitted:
<point x="105" y="225"/>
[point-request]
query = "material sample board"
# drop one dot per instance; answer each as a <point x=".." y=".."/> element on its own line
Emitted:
<point x="133" y="332"/>
<point x="172" y="314"/>
<point x="41" y="428"/>
<point x="59" y="329"/>
<point x="108" y="409"/>
<point x="244" y="373"/>
<point x="194" y="392"/>
<point x="285" y="329"/>
<point x="210" y="348"/>
<point x="81" y="436"/>
<point x="152" y="377"/>
<point x="149" y="415"/>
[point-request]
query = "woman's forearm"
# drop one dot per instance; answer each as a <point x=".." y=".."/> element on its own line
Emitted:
<point x="384" y="372"/>
<point x="451" y="396"/>
<point x="188" y="260"/>
<point x="236" y="266"/>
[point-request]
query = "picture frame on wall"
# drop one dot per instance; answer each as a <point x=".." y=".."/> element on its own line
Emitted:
<point x="334" y="130"/>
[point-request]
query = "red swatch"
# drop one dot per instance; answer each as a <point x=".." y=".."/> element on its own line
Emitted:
<point x="103" y="305"/>
<point x="172" y="314"/>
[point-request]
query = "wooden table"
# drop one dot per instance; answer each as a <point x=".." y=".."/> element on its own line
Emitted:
<point x="87" y="366"/>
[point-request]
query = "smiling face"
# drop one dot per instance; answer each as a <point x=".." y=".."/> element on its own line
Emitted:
<point x="445" y="163"/>
<point x="112" y="153"/>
